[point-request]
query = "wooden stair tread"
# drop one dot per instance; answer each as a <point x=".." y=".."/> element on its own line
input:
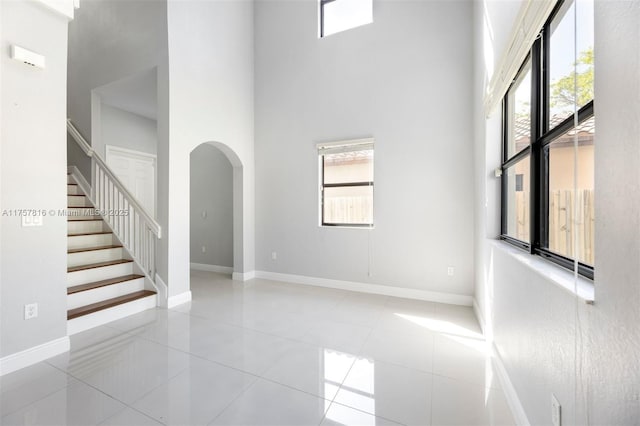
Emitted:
<point x="80" y="250"/>
<point x="83" y="220"/>
<point x="90" y="233"/>
<point x="103" y="283"/>
<point x="76" y="195"/>
<point x="106" y="304"/>
<point x="98" y="265"/>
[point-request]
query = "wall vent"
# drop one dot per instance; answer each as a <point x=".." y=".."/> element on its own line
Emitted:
<point x="27" y="57"/>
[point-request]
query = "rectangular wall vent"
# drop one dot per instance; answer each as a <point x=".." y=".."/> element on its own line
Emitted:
<point x="27" y="57"/>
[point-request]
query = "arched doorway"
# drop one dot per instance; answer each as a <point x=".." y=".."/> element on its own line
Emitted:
<point x="215" y="209"/>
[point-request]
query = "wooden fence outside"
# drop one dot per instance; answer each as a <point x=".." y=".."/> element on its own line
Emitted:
<point x="561" y="218"/>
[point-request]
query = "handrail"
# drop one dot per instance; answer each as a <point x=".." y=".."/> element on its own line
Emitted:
<point x="135" y="228"/>
<point x="84" y="145"/>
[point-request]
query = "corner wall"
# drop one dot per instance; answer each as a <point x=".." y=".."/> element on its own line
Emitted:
<point x="550" y="341"/>
<point x="211" y="90"/>
<point x="405" y="80"/>
<point x="32" y="176"/>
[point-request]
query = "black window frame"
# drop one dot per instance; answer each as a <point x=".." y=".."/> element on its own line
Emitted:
<point x="541" y="138"/>
<point x="324" y="185"/>
<point x="322" y="4"/>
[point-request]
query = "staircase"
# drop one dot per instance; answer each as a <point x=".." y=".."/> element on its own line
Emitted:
<point x="103" y="282"/>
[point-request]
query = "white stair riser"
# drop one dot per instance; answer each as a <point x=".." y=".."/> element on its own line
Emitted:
<point x="98" y="274"/>
<point x="85" y="226"/>
<point x="78" y="201"/>
<point x="95" y="319"/>
<point x="74" y="190"/>
<point x="82" y="214"/>
<point x="93" y="256"/>
<point x="70" y="179"/>
<point x="95" y="295"/>
<point x="85" y="241"/>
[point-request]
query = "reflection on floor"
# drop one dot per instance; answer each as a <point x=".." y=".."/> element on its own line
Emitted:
<point x="266" y="352"/>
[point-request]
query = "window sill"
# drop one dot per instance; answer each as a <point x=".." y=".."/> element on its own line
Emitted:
<point x="583" y="288"/>
<point x="346" y="227"/>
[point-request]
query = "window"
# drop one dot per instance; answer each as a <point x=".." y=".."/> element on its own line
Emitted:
<point x="341" y="15"/>
<point x="548" y="141"/>
<point x="346" y="183"/>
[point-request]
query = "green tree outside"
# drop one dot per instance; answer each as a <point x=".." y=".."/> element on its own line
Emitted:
<point x="563" y="91"/>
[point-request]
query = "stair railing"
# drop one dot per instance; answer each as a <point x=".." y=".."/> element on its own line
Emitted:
<point x="129" y="221"/>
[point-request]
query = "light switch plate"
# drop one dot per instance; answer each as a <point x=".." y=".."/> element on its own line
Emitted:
<point x="28" y="220"/>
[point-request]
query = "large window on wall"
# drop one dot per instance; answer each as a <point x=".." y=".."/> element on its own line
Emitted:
<point x="341" y="15"/>
<point x="346" y="183"/>
<point x="548" y="141"/>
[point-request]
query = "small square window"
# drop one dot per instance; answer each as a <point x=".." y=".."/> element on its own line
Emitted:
<point x="341" y="15"/>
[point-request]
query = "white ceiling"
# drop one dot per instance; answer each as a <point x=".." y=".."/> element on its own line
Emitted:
<point x="136" y="94"/>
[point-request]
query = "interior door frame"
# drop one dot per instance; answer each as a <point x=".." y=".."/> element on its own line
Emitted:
<point x="113" y="150"/>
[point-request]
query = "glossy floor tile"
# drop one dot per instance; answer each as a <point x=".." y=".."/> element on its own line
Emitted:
<point x="77" y="404"/>
<point x="268" y="403"/>
<point x="268" y="353"/>
<point x="388" y="391"/>
<point x="197" y="395"/>
<point x="26" y="386"/>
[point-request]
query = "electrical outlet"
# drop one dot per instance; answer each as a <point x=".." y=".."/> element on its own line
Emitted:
<point x="274" y="255"/>
<point x="30" y="311"/>
<point x="28" y="221"/>
<point x="556" y="411"/>
<point x="451" y="270"/>
<point x="204" y="249"/>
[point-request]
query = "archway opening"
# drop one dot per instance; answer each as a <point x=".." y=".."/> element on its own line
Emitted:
<point x="215" y="209"/>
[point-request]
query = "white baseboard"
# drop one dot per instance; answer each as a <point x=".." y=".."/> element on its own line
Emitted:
<point x="243" y="276"/>
<point x="212" y="268"/>
<point x="84" y="185"/>
<point x="479" y="316"/>
<point x="13" y="362"/>
<point x="163" y="291"/>
<point x="519" y="415"/>
<point x="406" y="293"/>
<point x="178" y="299"/>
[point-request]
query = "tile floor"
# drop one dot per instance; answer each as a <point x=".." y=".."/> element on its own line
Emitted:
<point x="268" y="353"/>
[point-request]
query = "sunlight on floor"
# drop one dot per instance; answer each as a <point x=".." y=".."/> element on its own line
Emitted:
<point x="439" y="326"/>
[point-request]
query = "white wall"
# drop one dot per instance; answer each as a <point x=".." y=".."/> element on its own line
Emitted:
<point x="32" y="176"/>
<point x="550" y="341"/>
<point x="405" y="79"/>
<point x="108" y="41"/>
<point x="211" y="73"/>
<point x="211" y="192"/>
<point x="127" y="130"/>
